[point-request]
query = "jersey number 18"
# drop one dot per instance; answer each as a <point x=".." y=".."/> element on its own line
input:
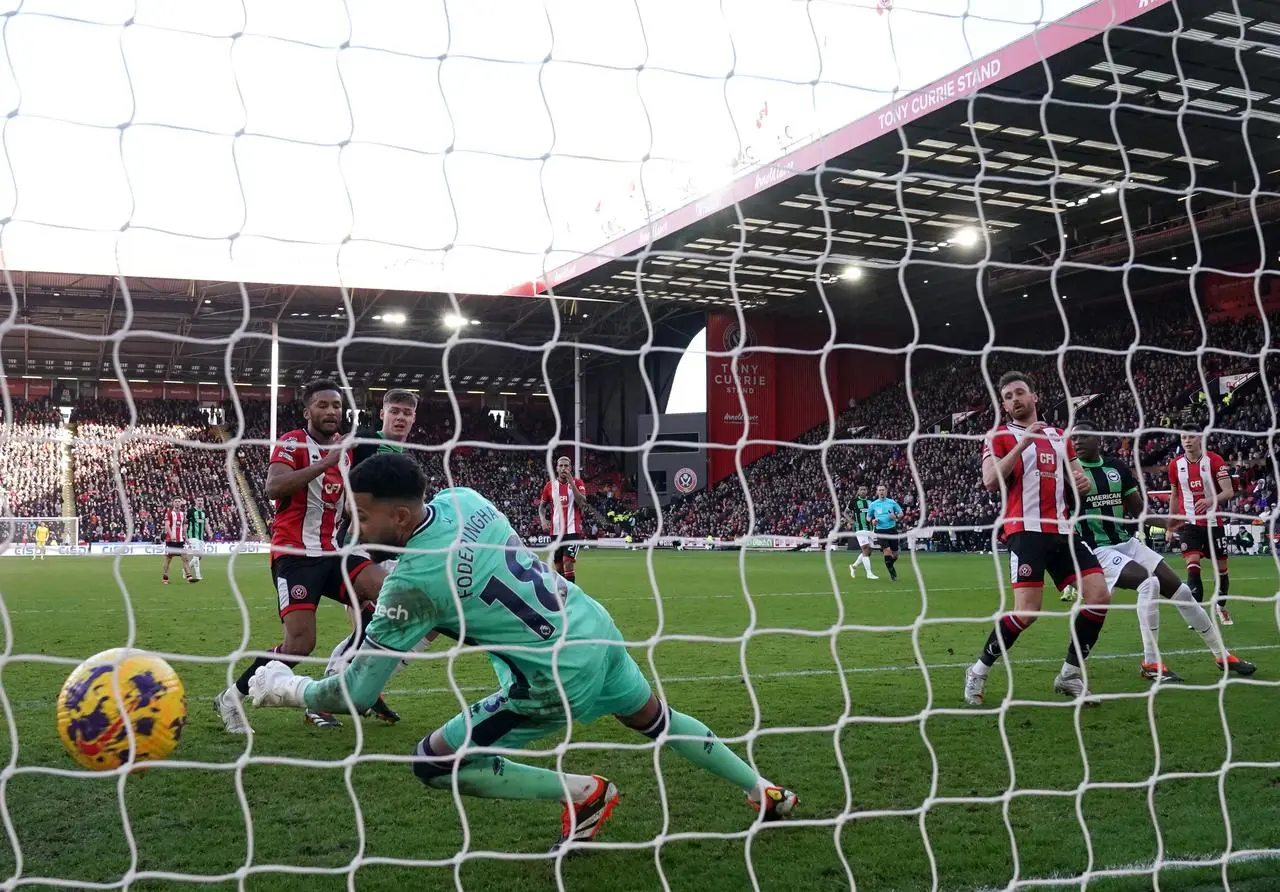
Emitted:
<point x="534" y="577"/>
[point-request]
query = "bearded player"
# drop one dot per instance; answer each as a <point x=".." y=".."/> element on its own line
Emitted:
<point x="568" y="496"/>
<point x="398" y="413"/>
<point x="1200" y="483"/>
<point x="1034" y="464"/>
<point x="305" y="478"/>
<point x="1112" y="498"/>
<point x="558" y="656"/>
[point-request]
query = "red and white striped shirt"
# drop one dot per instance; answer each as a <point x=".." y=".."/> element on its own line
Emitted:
<point x="174" y="522"/>
<point x="1037" y="500"/>
<point x="564" y="522"/>
<point x="307" y="521"/>
<point x="1190" y="480"/>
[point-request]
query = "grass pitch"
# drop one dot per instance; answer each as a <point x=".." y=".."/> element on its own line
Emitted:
<point x="847" y="691"/>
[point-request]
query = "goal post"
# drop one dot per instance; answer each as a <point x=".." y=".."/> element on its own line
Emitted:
<point x="18" y="536"/>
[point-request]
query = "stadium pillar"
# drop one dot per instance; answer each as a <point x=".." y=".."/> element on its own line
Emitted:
<point x="577" y="410"/>
<point x="275" y="381"/>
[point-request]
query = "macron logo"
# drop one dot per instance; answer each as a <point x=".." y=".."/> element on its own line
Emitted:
<point x="395" y="613"/>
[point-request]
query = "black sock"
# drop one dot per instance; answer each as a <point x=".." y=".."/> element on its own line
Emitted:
<point x="889" y="561"/>
<point x="1224" y="587"/>
<point x="1195" y="583"/>
<point x="242" y="683"/>
<point x="1088" y="626"/>
<point x="1001" y="638"/>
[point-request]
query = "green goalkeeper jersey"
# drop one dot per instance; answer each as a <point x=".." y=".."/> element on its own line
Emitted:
<point x="196" y="524"/>
<point x="467" y="574"/>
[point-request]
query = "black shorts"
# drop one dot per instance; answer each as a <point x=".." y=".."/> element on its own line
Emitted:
<point x="302" y="581"/>
<point x="887" y="538"/>
<point x="174" y="547"/>
<point x="1031" y="555"/>
<point x="566" y="551"/>
<point x="1211" y="541"/>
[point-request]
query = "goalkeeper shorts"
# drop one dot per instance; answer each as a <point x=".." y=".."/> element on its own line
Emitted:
<point x="504" y="722"/>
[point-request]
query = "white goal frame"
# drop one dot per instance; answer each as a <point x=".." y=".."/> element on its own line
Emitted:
<point x="11" y="541"/>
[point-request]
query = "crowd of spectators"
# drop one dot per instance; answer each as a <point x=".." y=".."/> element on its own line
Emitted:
<point x="905" y="439"/>
<point x="30" y="463"/>
<point x="931" y="466"/>
<point x="134" y="471"/>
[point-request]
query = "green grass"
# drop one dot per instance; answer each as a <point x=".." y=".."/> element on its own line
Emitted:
<point x="835" y="686"/>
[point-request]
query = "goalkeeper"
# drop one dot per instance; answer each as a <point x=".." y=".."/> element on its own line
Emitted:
<point x="556" y="651"/>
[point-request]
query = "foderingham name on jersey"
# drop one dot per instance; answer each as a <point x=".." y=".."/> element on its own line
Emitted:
<point x="465" y="557"/>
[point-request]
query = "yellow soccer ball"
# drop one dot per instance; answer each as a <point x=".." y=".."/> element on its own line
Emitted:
<point x="93" y="720"/>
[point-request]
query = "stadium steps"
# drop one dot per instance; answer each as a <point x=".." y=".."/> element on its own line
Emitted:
<point x="66" y="436"/>
<point x="246" y="491"/>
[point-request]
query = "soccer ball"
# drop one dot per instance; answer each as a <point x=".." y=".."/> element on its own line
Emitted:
<point x="93" y="726"/>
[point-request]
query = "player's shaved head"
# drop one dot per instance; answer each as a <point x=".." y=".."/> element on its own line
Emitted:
<point x="388" y="489"/>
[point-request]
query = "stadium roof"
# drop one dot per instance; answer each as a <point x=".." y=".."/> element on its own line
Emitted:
<point x="1138" y="134"/>
<point x="1061" y="163"/>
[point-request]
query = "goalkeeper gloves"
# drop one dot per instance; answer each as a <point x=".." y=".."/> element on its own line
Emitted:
<point x="275" y="685"/>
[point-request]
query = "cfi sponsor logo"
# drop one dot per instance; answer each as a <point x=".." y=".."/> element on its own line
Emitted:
<point x="686" y="480"/>
<point x="736" y="336"/>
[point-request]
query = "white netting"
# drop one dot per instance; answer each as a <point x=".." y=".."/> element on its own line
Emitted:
<point x="153" y="154"/>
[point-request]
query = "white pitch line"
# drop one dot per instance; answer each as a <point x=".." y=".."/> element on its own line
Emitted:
<point x="859" y="670"/>
<point x="768" y="676"/>
<point x="1191" y="862"/>
<point x="667" y="600"/>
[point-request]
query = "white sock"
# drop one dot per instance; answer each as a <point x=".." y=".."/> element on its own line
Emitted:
<point x="1149" y="619"/>
<point x="980" y="668"/>
<point x="866" y="563"/>
<point x="1068" y="669"/>
<point x="580" y="786"/>
<point x="418" y="648"/>
<point x="757" y="793"/>
<point x="1198" y="619"/>
<point x="195" y="568"/>
<point x="340" y="656"/>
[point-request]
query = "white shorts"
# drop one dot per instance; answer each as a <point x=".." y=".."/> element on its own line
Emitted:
<point x="865" y="539"/>
<point x="1113" y="559"/>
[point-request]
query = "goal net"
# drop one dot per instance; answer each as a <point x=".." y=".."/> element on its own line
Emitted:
<point x="34" y="535"/>
<point x="898" y="233"/>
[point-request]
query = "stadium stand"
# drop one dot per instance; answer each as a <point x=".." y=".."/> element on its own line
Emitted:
<point x="789" y="490"/>
<point x="157" y="459"/>
<point x="30" y="454"/>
